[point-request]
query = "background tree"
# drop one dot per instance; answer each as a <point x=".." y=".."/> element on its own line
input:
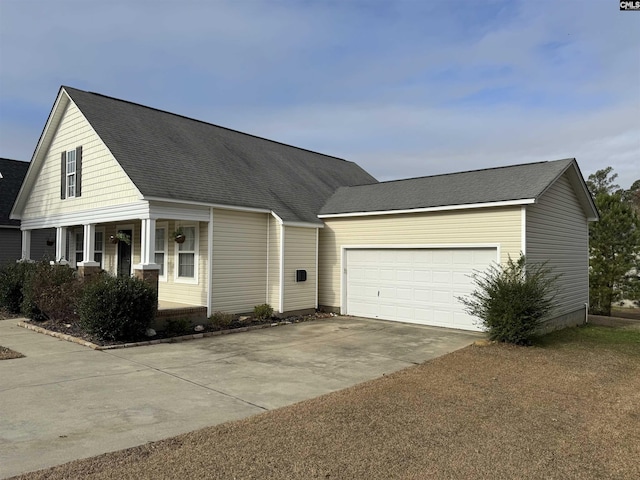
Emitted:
<point x="602" y="182"/>
<point x="614" y="244"/>
<point x="632" y="196"/>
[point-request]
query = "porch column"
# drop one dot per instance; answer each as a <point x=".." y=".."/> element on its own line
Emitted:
<point x="88" y="266"/>
<point x="147" y="270"/>
<point x="61" y="246"/>
<point x="26" y="246"/>
<point x="148" y="241"/>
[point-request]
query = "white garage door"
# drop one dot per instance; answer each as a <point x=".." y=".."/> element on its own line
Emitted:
<point x="414" y="285"/>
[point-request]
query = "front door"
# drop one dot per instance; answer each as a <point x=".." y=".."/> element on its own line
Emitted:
<point x="124" y="255"/>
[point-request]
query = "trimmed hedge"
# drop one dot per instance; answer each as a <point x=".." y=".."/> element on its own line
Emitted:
<point x="118" y="308"/>
<point x="13" y="278"/>
<point x="51" y="292"/>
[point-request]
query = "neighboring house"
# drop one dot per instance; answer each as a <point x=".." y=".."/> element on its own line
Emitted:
<point x="12" y="174"/>
<point x="271" y="223"/>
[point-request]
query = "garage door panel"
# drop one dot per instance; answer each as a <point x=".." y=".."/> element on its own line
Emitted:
<point x="387" y="310"/>
<point x="367" y="308"/>
<point x="463" y="257"/>
<point x="371" y="274"/>
<point x="405" y="314"/>
<point x="405" y="275"/>
<point x="422" y="295"/>
<point x="442" y="256"/>
<point x="388" y="274"/>
<point x="421" y="275"/>
<point x="356" y="273"/>
<point x="442" y="296"/>
<point x="404" y="294"/>
<point x="442" y="276"/>
<point x="414" y="285"/>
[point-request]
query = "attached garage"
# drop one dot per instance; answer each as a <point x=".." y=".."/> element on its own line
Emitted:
<point x="413" y="285"/>
<point x="404" y="250"/>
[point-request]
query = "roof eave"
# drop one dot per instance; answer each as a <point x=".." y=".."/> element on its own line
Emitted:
<point x="237" y="208"/>
<point x="505" y="203"/>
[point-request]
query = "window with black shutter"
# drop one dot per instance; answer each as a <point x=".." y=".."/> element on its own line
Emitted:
<point x="71" y="173"/>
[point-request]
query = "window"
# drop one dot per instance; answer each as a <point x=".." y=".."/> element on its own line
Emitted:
<point x="98" y="246"/>
<point x="187" y="254"/>
<point x="160" y="250"/>
<point x="71" y="174"/>
<point x="79" y="245"/>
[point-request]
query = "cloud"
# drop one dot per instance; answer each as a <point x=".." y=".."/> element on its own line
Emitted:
<point x="404" y="88"/>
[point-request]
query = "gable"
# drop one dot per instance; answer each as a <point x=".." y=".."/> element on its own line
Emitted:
<point x="104" y="183"/>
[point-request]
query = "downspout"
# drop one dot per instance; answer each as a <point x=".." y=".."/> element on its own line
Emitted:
<point x="210" y="264"/>
<point x="281" y="301"/>
<point x="266" y="297"/>
<point x="317" y="273"/>
<point x="523" y="230"/>
<point x="281" y="264"/>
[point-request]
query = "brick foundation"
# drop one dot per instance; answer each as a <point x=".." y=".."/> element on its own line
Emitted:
<point x="148" y="276"/>
<point x="87" y="271"/>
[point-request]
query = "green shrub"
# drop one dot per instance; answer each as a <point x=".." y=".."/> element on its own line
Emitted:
<point x="12" y="280"/>
<point x="117" y="308"/>
<point x="177" y="326"/>
<point x="51" y="292"/>
<point x="512" y="301"/>
<point x="221" y="319"/>
<point x="262" y="312"/>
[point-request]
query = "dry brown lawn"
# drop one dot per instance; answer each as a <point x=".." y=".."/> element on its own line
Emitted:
<point x="567" y="410"/>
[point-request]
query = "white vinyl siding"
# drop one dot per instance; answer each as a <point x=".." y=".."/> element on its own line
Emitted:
<point x="299" y="253"/>
<point x="496" y="226"/>
<point x="104" y="183"/>
<point x="557" y="231"/>
<point x="239" y="260"/>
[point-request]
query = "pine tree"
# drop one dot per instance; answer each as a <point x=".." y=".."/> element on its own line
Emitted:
<point x="614" y="246"/>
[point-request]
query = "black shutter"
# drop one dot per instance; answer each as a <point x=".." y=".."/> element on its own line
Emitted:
<point x="78" y="171"/>
<point x="63" y="176"/>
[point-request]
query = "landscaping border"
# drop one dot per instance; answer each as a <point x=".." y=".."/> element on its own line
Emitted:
<point x="192" y="336"/>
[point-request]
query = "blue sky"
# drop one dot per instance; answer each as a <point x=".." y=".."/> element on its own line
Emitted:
<point x="404" y="88"/>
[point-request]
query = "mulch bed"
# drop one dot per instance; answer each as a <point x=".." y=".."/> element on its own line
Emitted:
<point x="74" y="328"/>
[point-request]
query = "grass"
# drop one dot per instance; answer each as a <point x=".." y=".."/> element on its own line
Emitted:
<point x="625" y="340"/>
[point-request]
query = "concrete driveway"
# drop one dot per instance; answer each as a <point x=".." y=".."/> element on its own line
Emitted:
<point x="64" y="401"/>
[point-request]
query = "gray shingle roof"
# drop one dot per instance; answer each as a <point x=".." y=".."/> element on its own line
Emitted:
<point x="13" y="172"/>
<point x="179" y="158"/>
<point x="517" y="182"/>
